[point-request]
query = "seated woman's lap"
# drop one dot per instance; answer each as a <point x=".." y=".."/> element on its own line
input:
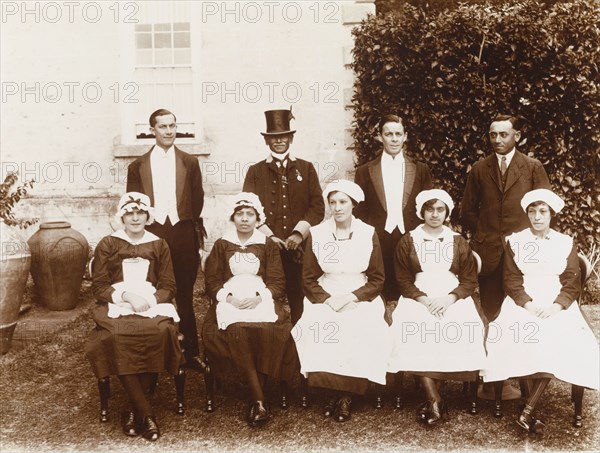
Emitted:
<point x="133" y="344"/>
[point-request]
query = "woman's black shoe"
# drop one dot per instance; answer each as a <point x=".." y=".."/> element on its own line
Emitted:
<point x="150" y="429"/>
<point x="529" y="423"/>
<point x="438" y="412"/>
<point x="130" y="423"/>
<point x="258" y="414"/>
<point x="424" y="411"/>
<point x="330" y="408"/>
<point x="342" y="409"/>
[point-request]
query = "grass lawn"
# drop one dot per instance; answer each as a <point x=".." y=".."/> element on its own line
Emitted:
<point x="49" y="402"/>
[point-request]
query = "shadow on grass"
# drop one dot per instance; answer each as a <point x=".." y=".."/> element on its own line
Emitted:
<point x="49" y="402"/>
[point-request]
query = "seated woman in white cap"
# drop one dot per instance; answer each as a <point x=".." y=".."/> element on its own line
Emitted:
<point x="438" y="328"/>
<point x="540" y="330"/>
<point x="246" y="328"/>
<point x="135" y="335"/>
<point x="342" y="338"/>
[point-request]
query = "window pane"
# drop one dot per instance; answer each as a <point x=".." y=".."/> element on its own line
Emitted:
<point x="143" y="57"/>
<point x="162" y="27"/>
<point x="143" y="27"/>
<point x="182" y="39"/>
<point x="163" y="57"/>
<point x="181" y="26"/>
<point x="183" y="56"/>
<point x="143" y="40"/>
<point x="162" y="40"/>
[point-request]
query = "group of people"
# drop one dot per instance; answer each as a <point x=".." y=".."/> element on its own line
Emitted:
<point x="294" y="290"/>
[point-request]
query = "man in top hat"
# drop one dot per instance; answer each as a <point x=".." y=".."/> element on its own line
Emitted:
<point x="289" y="189"/>
<point x="172" y="180"/>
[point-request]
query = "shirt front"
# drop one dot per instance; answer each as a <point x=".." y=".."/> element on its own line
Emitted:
<point x="508" y="156"/>
<point x="164" y="184"/>
<point x="392" y="170"/>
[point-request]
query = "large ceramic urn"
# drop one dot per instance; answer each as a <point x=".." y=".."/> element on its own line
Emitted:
<point x="14" y="269"/>
<point x="58" y="258"/>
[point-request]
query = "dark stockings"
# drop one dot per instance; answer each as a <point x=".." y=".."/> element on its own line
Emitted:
<point x="537" y="388"/>
<point x="432" y="388"/>
<point x="257" y="382"/>
<point x="136" y="386"/>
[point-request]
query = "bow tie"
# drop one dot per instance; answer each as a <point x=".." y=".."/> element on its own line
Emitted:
<point x="431" y="240"/>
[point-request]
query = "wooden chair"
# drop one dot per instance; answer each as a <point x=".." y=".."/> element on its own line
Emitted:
<point x="104" y="383"/>
<point x="470" y="380"/>
<point x="585" y="268"/>
<point x="211" y="382"/>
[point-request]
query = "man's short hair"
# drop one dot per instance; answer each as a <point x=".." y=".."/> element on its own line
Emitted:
<point x="159" y="112"/>
<point x="390" y="118"/>
<point x="517" y="121"/>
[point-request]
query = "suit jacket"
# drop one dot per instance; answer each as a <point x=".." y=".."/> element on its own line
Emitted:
<point x="188" y="182"/>
<point x="373" y="210"/>
<point x="306" y="197"/>
<point x="490" y="212"/>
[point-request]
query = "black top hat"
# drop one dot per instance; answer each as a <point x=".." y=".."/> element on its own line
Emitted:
<point x="278" y="122"/>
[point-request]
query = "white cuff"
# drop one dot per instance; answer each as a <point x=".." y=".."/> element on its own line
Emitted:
<point x="302" y="227"/>
<point x="264" y="229"/>
<point x="222" y="295"/>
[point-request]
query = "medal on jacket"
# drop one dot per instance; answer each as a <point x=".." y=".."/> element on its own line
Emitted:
<point x="298" y="175"/>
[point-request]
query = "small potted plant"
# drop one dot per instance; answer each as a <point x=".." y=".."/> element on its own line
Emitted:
<point x="15" y="259"/>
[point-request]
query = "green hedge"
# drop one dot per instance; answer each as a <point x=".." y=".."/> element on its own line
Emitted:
<point x="447" y="74"/>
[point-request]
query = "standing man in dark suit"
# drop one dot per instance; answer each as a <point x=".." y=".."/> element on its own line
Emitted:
<point x="391" y="183"/>
<point x="172" y="180"/>
<point x="289" y="189"/>
<point x="491" y="208"/>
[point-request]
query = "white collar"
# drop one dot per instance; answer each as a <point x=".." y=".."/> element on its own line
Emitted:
<point x="387" y="159"/>
<point x="508" y="156"/>
<point x="419" y="234"/>
<point x="147" y="237"/>
<point x="157" y="151"/>
<point x="256" y="238"/>
<point x="289" y="155"/>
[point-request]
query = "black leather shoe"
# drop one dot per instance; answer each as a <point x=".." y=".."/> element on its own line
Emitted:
<point x="130" y="423"/>
<point x="330" y="408"/>
<point x="258" y="414"/>
<point x="530" y="424"/>
<point x="424" y="411"/>
<point x="150" y="429"/>
<point x="438" y="412"/>
<point x="196" y="363"/>
<point x="342" y="409"/>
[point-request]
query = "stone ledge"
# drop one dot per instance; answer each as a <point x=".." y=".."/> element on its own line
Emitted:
<point x="39" y="322"/>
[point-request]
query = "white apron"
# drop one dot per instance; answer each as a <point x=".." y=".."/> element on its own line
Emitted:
<point x="520" y="343"/>
<point x="354" y="342"/>
<point x="423" y="342"/>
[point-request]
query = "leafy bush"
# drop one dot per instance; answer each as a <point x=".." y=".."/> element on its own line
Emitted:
<point x="390" y="6"/>
<point x="447" y="74"/>
<point x="9" y="197"/>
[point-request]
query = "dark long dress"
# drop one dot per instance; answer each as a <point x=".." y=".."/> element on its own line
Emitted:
<point x="266" y="347"/>
<point x="132" y="344"/>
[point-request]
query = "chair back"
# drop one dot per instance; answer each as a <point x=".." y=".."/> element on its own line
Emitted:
<point x="585" y="267"/>
<point x="91" y="267"/>
<point x="478" y="260"/>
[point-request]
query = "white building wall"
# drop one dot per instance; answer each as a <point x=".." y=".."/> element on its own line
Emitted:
<point x="250" y="57"/>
